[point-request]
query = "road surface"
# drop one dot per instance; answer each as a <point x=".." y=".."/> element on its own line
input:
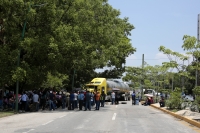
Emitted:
<point x="122" y="118"/>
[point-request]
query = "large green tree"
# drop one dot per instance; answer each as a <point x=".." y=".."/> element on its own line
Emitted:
<point x="68" y="38"/>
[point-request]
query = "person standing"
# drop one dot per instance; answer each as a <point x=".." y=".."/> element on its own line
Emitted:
<point x="133" y="98"/>
<point x="51" y="99"/>
<point x="97" y="99"/>
<point x="102" y="98"/>
<point x="67" y="99"/>
<point x="87" y="100"/>
<point x="36" y="101"/>
<point x="24" y="102"/>
<point x="63" y="97"/>
<point x="12" y="103"/>
<point x="113" y="97"/>
<point x="75" y="100"/>
<point x="43" y="100"/>
<point x="117" y="97"/>
<point x="80" y="99"/>
<point x="92" y="99"/>
<point x="71" y="99"/>
<point x="126" y="96"/>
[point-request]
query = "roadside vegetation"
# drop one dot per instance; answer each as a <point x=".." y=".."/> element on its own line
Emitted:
<point x="6" y="113"/>
<point x="173" y="79"/>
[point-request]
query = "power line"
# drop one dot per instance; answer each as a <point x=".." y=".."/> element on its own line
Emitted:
<point x="149" y="59"/>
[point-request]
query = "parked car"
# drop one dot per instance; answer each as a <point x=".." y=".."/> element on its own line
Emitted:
<point x="189" y="98"/>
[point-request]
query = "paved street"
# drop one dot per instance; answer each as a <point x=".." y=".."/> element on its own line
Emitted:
<point x="122" y="118"/>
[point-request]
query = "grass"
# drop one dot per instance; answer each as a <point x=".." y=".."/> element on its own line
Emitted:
<point x="6" y="113"/>
<point x="173" y="110"/>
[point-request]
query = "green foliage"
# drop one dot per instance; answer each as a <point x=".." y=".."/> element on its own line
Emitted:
<point x="175" y="100"/>
<point x="165" y="91"/>
<point x="153" y="77"/>
<point x="196" y="104"/>
<point x="55" y="81"/>
<point x="61" y="36"/>
<point x="19" y="74"/>
<point x="196" y="90"/>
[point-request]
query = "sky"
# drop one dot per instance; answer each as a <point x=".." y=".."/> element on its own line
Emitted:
<point x="158" y="22"/>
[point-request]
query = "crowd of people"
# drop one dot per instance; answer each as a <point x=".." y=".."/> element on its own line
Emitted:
<point x="52" y="100"/>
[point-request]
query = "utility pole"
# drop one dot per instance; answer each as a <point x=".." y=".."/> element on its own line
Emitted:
<point x="172" y="83"/>
<point x="142" y="83"/>
<point x="198" y="39"/>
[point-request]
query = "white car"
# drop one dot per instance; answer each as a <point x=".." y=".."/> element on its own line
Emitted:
<point x="189" y="98"/>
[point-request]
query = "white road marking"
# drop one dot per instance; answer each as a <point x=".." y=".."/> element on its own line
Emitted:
<point x="47" y="122"/>
<point x="114" y="116"/>
<point x="62" y="116"/>
<point x="116" y="106"/>
<point x="29" y="130"/>
<point x="80" y="127"/>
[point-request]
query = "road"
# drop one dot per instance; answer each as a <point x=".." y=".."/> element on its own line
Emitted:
<point x="122" y="118"/>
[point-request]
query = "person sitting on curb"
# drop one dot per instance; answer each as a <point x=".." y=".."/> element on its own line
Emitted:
<point x="162" y="102"/>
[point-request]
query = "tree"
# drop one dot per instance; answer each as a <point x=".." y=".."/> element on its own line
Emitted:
<point x="191" y="45"/>
<point x="60" y="37"/>
<point x="175" y="59"/>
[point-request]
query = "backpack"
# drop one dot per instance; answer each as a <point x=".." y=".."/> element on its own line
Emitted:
<point x="79" y="96"/>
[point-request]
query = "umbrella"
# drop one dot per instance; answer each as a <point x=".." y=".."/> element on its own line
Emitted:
<point x="148" y="95"/>
<point x="115" y="89"/>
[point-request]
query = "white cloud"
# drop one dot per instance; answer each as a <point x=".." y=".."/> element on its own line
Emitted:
<point x="131" y="57"/>
<point x="161" y="56"/>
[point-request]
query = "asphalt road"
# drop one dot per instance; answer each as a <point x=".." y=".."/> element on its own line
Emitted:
<point x="122" y="118"/>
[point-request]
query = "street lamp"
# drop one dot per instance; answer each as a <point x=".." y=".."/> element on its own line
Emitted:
<point x="19" y="52"/>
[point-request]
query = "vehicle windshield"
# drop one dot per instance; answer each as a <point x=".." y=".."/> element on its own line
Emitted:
<point x="148" y="91"/>
<point x="90" y="87"/>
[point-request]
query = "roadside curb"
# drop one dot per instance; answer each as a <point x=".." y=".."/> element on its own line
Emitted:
<point x="193" y="122"/>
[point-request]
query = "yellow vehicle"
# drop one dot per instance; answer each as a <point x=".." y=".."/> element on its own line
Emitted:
<point x="101" y="84"/>
<point x="97" y="84"/>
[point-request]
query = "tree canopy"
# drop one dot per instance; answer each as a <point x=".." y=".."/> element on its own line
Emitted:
<point x="61" y="36"/>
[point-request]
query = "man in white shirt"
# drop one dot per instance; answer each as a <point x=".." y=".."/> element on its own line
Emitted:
<point x="75" y="100"/>
<point x="113" y="97"/>
<point x="36" y="101"/>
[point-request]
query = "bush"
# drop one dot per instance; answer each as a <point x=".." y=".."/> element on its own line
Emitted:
<point x="175" y="100"/>
<point x="196" y="103"/>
